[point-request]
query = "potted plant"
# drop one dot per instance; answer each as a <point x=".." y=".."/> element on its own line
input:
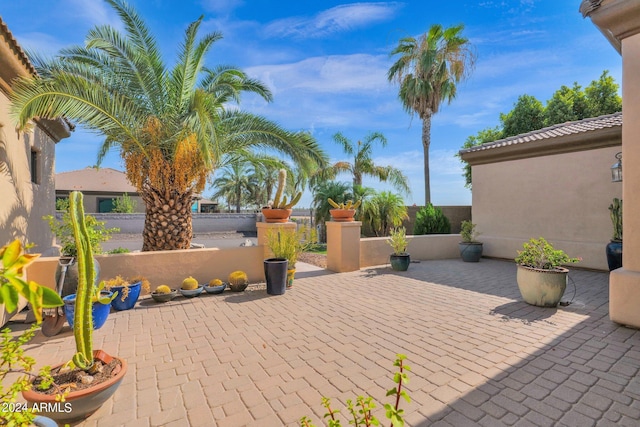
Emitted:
<point x="88" y="394"/>
<point x="278" y="210"/>
<point x="164" y="293"/>
<point x="238" y="281"/>
<point x="128" y="290"/>
<point x="190" y="287"/>
<point x="343" y="212"/>
<point x="215" y="286"/>
<point x="399" y="259"/>
<point x="614" y="247"/>
<point x="470" y="249"/>
<point x="285" y="245"/>
<point x="541" y="277"/>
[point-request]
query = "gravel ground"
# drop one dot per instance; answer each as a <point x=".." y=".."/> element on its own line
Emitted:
<point x="319" y="260"/>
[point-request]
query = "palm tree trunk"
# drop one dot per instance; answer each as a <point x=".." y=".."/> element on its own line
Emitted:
<point x="167" y="223"/>
<point x="238" y="196"/>
<point x="357" y="179"/>
<point x="426" y="141"/>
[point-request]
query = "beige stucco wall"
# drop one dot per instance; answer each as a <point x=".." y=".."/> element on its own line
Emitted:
<point x="376" y="250"/>
<point x="563" y="198"/>
<point x="23" y="202"/>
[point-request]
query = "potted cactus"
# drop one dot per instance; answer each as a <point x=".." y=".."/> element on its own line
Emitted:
<point x="614" y="247"/>
<point x="89" y="393"/>
<point x="238" y="281"/>
<point x="470" y="249"/>
<point x="128" y="291"/>
<point x="190" y="287"/>
<point x="399" y="259"/>
<point x="279" y="210"/>
<point x="215" y="286"/>
<point x="343" y="212"/>
<point x="164" y="293"/>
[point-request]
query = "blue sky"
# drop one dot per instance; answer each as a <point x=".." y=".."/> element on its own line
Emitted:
<point x="326" y="63"/>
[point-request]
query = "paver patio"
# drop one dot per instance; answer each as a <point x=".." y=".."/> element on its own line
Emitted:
<point x="479" y="355"/>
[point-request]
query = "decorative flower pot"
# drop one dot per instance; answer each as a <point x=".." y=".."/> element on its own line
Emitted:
<point x="542" y="288"/>
<point x="614" y="254"/>
<point x="290" y="276"/>
<point x="190" y="293"/>
<point x="470" y="251"/>
<point x="215" y="289"/>
<point x="342" y="215"/>
<point x="79" y="404"/>
<point x="100" y="311"/>
<point x="400" y="262"/>
<point x="158" y="297"/>
<point x="276" y="215"/>
<point x="275" y="273"/>
<point x="131" y="298"/>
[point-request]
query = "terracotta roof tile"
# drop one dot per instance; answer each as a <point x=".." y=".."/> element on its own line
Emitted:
<point x="568" y="128"/>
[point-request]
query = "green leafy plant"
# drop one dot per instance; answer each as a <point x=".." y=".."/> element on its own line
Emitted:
<point x="65" y="237"/>
<point x="280" y="201"/>
<point x="119" y="281"/>
<point x="398" y="240"/>
<point x="615" y="210"/>
<point x="12" y="283"/>
<point x="468" y="232"/>
<point x="360" y="411"/>
<point x="13" y="361"/>
<point x="431" y="220"/>
<point x="119" y="250"/>
<point x="124" y="204"/>
<point x="540" y="254"/>
<point x="290" y="244"/>
<point x="62" y="204"/>
<point x="346" y="205"/>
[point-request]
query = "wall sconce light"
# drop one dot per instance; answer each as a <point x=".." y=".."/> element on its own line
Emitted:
<point x="616" y="169"/>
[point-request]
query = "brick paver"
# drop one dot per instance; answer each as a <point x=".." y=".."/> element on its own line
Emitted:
<point x="479" y="355"/>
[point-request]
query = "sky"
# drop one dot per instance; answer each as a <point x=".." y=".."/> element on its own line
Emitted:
<point x="326" y="63"/>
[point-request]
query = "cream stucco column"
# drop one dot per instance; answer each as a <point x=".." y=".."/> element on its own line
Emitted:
<point x="263" y="231"/>
<point x="343" y="246"/>
<point x="619" y="21"/>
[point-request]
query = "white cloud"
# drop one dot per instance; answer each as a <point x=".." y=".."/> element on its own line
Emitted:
<point x="93" y="12"/>
<point x="338" y="19"/>
<point x="221" y="6"/>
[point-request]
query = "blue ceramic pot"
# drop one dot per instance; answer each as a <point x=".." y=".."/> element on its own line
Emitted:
<point x="100" y="311"/>
<point x="470" y="251"/>
<point x="130" y="300"/>
<point x="614" y="255"/>
<point x="400" y="262"/>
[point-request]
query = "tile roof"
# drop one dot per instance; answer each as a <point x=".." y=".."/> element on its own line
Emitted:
<point x="584" y="126"/>
<point x="103" y="180"/>
<point x="13" y="44"/>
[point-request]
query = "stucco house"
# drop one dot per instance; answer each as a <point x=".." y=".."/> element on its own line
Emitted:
<point x="554" y="182"/>
<point x="100" y="186"/>
<point x="26" y="158"/>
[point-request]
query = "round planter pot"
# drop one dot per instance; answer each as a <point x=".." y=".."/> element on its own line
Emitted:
<point x="99" y="311"/>
<point x="190" y="293"/>
<point x="276" y="216"/>
<point x="614" y="255"/>
<point x="238" y="287"/>
<point x="80" y="404"/>
<point x="130" y="300"/>
<point x="400" y="262"/>
<point x="164" y="297"/>
<point x="215" y="289"/>
<point x="542" y="288"/>
<point x="470" y="252"/>
<point x="342" y="215"/>
<point x="275" y="274"/>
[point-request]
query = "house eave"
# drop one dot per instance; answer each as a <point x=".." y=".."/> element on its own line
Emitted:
<point x="616" y="19"/>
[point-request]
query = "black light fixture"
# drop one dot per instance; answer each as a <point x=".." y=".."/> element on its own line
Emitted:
<point x="616" y="169"/>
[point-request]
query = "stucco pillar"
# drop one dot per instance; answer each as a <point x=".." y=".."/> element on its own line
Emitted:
<point x="619" y="22"/>
<point x="263" y="231"/>
<point x="343" y="246"/>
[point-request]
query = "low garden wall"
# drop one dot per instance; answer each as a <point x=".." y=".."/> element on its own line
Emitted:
<point x="376" y="250"/>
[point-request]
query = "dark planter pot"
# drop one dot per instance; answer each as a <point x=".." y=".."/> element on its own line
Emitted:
<point x="614" y="255"/>
<point x="130" y="300"/>
<point x="70" y="269"/>
<point x="275" y="274"/>
<point x="100" y="311"/>
<point x="470" y="251"/>
<point x="400" y="262"/>
<point x="80" y="404"/>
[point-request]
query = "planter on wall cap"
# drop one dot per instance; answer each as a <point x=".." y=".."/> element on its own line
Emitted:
<point x="276" y="216"/>
<point x="342" y="215"/>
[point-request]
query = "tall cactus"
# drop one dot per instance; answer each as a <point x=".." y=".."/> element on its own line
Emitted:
<point x="280" y="202"/>
<point x="87" y="291"/>
<point x="615" y="209"/>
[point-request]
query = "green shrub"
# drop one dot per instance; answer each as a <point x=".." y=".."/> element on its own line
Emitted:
<point x="431" y="220"/>
<point x="124" y="204"/>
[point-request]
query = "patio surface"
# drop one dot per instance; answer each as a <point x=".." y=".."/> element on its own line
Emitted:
<point x="479" y="355"/>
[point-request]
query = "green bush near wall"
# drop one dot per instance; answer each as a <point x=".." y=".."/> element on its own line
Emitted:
<point x="431" y="220"/>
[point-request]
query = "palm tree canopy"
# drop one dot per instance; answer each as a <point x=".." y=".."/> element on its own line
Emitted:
<point x="430" y="67"/>
<point x="363" y="165"/>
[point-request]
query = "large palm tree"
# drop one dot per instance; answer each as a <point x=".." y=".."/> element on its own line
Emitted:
<point x="427" y="71"/>
<point x="234" y="184"/>
<point x="171" y="125"/>
<point x="362" y="163"/>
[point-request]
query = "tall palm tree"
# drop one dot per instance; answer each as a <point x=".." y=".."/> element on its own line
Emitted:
<point x="427" y="71"/>
<point x="171" y="125"/>
<point x="362" y="164"/>
<point x="234" y="184"/>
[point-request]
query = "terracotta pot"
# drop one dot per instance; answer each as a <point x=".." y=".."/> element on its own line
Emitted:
<point x="342" y="215"/>
<point x="79" y="404"/>
<point x="276" y="215"/>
